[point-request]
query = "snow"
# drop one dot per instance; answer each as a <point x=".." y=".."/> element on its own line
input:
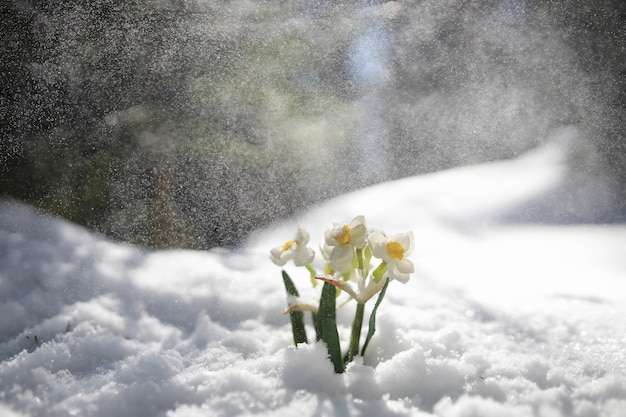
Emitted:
<point x="501" y="318"/>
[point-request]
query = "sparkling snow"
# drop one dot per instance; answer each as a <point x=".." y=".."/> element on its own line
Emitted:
<point x="502" y="317"/>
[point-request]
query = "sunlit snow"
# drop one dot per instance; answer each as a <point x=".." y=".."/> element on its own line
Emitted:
<point x="508" y="314"/>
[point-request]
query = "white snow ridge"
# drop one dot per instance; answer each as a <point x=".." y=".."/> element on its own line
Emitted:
<point x="501" y="318"/>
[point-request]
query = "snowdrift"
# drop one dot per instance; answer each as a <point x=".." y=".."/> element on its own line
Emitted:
<point x="500" y="319"/>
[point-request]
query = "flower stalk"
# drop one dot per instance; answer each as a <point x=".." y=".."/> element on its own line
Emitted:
<point x="355" y="336"/>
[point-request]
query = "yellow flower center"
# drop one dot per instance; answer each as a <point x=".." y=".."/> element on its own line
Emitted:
<point x="288" y="245"/>
<point x="343" y="237"/>
<point x="395" y="250"/>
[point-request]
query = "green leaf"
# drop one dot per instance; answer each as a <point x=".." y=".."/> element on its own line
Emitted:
<point x="297" y="327"/>
<point x="331" y="338"/>
<point x="296" y="317"/>
<point x="317" y="324"/>
<point x="372" y="323"/>
<point x="327" y="318"/>
<point x="327" y="303"/>
<point x="289" y="285"/>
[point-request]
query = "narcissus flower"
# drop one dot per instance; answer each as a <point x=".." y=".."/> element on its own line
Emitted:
<point x="353" y="234"/>
<point x="348" y="250"/>
<point x="393" y="251"/>
<point x="343" y="239"/>
<point x="326" y="250"/>
<point x="295" y="250"/>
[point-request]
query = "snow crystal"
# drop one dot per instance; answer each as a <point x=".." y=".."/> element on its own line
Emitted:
<point x="500" y="318"/>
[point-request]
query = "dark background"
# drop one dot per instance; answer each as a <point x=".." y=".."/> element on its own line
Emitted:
<point x="189" y="124"/>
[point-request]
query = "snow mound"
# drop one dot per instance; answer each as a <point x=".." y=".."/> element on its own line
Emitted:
<point x="499" y="319"/>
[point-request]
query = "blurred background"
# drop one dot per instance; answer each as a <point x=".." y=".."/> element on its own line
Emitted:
<point x="187" y="124"/>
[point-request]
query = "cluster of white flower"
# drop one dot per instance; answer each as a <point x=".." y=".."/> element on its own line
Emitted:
<point x="348" y="249"/>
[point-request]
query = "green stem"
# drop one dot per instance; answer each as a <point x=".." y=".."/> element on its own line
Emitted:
<point x="359" y="257"/>
<point x="313" y="273"/>
<point x="356" y="331"/>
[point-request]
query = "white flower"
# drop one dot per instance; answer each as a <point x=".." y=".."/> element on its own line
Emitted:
<point x="353" y="233"/>
<point x="393" y="251"/>
<point x="326" y="251"/>
<point x="342" y="239"/>
<point x="295" y="250"/>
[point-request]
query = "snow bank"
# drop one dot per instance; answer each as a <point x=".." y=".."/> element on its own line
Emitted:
<point x="499" y="319"/>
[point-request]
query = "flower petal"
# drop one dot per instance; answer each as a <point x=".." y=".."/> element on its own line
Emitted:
<point x="395" y="273"/>
<point x="357" y="221"/>
<point x="341" y="258"/>
<point x="407" y="241"/>
<point x="303" y="257"/>
<point x="358" y="231"/>
<point x="329" y="236"/>
<point x="359" y="234"/>
<point x="276" y="256"/>
<point x="302" y="236"/>
<point x="405" y="266"/>
<point x="403" y="278"/>
<point x="378" y="244"/>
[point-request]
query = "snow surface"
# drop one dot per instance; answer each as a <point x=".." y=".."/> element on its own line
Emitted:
<point x="501" y="318"/>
